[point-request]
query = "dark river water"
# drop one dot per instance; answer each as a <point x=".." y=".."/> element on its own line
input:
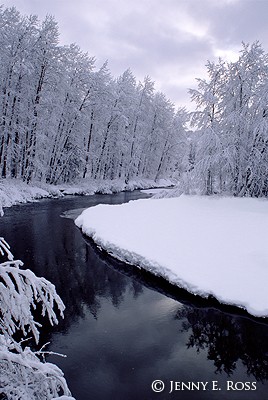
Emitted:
<point x="124" y="329"/>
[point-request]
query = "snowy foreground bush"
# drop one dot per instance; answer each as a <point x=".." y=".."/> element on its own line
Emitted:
<point x="23" y="376"/>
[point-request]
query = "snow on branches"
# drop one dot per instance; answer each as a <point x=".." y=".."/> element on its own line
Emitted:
<point x="22" y="375"/>
<point x="20" y="291"/>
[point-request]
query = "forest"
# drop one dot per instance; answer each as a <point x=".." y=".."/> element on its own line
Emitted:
<point x="63" y="119"/>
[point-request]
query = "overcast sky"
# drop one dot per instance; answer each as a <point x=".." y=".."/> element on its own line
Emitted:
<point x="169" y="40"/>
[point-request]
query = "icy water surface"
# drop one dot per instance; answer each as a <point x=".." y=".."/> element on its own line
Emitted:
<point x="124" y="329"/>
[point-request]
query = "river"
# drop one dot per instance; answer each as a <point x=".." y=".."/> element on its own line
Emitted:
<point x="123" y="329"/>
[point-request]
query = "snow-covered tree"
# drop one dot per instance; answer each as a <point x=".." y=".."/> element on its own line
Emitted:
<point x="231" y="122"/>
<point x="208" y="154"/>
<point x="24" y="375"/>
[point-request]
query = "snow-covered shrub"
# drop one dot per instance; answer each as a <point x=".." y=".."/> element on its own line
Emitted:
<point x="23" y="376"/>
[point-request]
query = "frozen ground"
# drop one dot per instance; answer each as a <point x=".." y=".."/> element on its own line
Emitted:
<point x="214" y="246"/>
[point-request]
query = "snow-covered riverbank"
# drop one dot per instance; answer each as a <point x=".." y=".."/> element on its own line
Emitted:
<point x="14" y="191"/>
<point x="214" y="246"/>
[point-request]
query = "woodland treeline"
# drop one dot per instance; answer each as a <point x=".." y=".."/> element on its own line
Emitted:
<point x="62" y="119"/>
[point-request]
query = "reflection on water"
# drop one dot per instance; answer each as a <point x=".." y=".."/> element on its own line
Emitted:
<point x="123" y="328"/>
<point x="227" y="339"/>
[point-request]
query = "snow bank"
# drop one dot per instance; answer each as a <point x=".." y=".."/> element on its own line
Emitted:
<point x="157" y="192"/>
<point x="87" y="187"/>
<point x="15" y="191"/>
<point x="210" y="246"/>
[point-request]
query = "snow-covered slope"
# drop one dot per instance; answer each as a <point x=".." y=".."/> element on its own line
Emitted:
<point x="207" y="245"/>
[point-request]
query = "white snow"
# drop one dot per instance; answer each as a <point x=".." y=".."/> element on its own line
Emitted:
<point x="155" y="191"/>
<point x="15" y="191"/>
<point x="214" y="246"/>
